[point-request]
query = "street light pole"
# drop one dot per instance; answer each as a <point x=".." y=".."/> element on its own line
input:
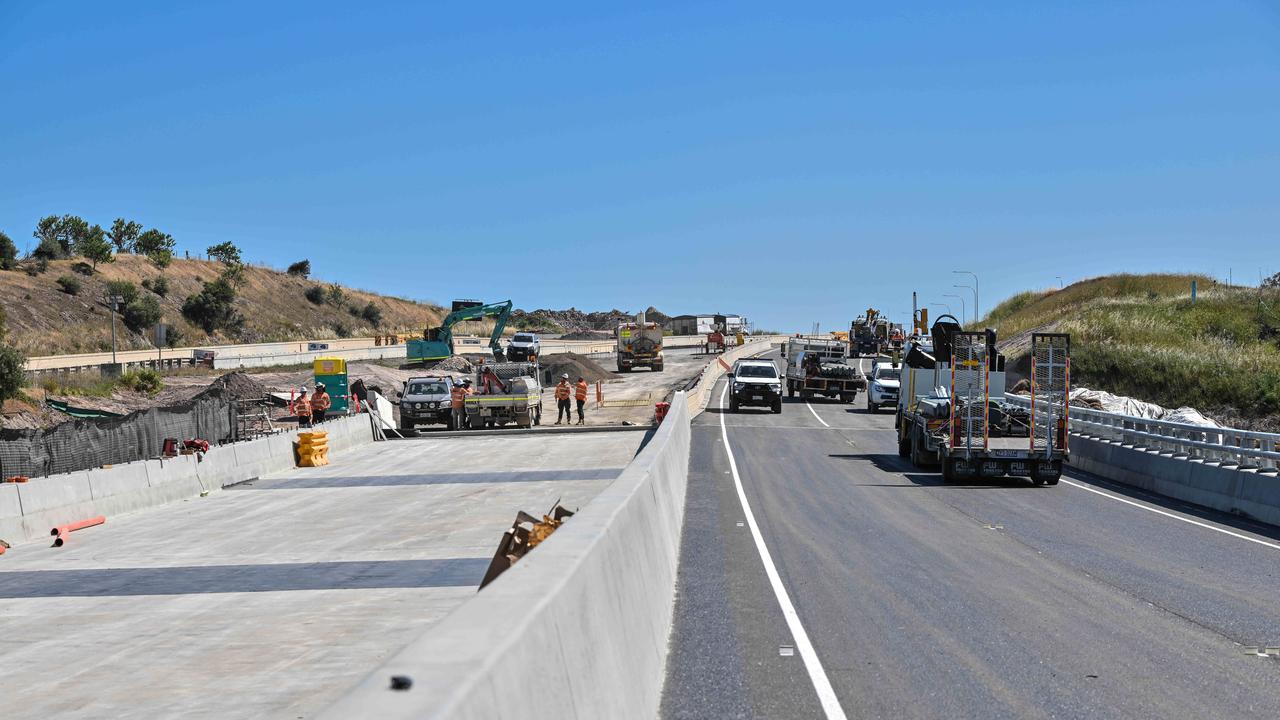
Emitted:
<point x="113" y="301"/>
<point x="975" y="304"/>
<point x="962" y="311"/>
<point x="977" y="313"/>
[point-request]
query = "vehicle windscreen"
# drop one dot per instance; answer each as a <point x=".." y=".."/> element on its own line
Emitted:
<point x="888" y="374"/>
<point x="522" y="338"/>
<point x="757" y="371"/>
<point x="433" y="387"/>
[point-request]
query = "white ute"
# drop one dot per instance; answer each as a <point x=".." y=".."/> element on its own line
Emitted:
<point x="884" y="386"/>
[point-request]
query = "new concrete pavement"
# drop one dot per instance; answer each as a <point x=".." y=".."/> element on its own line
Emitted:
<point x="272" y="598"/>
<point x="927" y="600"/>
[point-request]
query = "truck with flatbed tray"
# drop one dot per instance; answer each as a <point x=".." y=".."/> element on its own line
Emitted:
<point x="819" y="367"/>
<point x="952" y="413"/>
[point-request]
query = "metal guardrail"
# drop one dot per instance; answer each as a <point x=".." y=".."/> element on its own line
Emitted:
<point x="1246" y="449"/>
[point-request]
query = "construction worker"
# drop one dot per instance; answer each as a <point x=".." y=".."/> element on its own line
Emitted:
<point x="458" y="396"/>
<point x="580" y="394"/>
<point x="302" y="408"/>
<point x="320" y="402"/>
<point x="563" y="391"/>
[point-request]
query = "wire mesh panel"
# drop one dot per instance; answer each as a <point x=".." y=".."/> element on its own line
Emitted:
<point x="1050" y="391"/>
<point x="969" y="391"/>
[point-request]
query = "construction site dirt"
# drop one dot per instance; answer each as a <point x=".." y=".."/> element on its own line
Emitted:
<point x="629" y="398"/>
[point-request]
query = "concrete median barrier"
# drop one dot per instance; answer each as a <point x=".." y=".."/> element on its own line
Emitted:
<point x="577" y="628"/>
<point x="28" y="510"/>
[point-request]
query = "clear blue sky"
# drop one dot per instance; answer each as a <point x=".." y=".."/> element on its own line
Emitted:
<point x="793" y="162"/>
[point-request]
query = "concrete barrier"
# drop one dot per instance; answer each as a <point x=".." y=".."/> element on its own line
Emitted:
<point x="577" y="629"/>
<point x="1228" y="488"/>
<point x="28" y="510"/>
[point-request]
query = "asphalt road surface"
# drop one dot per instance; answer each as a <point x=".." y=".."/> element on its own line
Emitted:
<point x="891" y="594"/>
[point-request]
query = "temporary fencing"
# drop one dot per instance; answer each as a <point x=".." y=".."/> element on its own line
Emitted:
<point x="82" y="444"/>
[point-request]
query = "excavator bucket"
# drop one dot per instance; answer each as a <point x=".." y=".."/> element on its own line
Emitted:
<point x="526" y="533"/>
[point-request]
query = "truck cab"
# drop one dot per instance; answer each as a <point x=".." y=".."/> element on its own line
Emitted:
<point x="427" y="401"/>
<point x="524" y="347"/>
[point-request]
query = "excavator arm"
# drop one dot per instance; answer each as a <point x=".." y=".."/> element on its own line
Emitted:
<point x="444" y="333"/>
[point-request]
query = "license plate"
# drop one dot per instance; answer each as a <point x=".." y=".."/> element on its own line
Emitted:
<point x="1004" y="453"/>
<point x="757" y="397"/>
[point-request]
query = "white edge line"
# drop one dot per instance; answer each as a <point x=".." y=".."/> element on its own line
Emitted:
<point x="815" y="414"/>
<point x="1148" y="508"/>
<point x="818" y="676"/>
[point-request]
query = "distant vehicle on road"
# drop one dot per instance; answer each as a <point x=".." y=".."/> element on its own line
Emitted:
<point x="639" y="344"/>
<point x="755" y="382"/>
<point x="427" y="401"/>
<point x="524" y="347"/>
<point x="883" y="386"/>
<point x="817" y="367"/>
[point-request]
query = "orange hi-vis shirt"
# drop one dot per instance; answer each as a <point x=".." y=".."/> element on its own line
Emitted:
<point x="562" y="390"/>
<point x="457" y="397"/>
<point x="581" y="393"/>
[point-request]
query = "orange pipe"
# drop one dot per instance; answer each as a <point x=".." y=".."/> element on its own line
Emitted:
<point x="60" y="533"/>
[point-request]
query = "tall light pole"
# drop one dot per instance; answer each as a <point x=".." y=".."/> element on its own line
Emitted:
<point x="975" y="304"/>
<point x="977" y="312"/>
<point x="113" y="301"/>
<point x="962" y="312"/>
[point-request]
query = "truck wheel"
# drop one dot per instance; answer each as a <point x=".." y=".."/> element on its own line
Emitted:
<point x="406" y="424"/>
<point x="904" y="445"/>
<point x="917" y="449"/>
<point x="733" y="404"/>
<point x="948" y="470"/>
<point x="871" y="407"/>
<point x="537" y="415"/>
<point x="1053" y="480"/>
<point x="791" y="389"/>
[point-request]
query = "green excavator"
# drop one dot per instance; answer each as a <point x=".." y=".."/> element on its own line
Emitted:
<point x="437" y="343"/>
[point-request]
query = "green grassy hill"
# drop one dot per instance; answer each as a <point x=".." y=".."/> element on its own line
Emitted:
<point x="1141" y="335"/>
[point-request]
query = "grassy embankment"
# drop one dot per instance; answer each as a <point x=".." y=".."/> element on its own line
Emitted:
<point x="1142" y="336"/>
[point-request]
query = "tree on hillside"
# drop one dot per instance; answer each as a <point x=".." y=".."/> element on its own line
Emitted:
<point x="61" y="232"/>
<point x="157" y="246"/>
<point x="142" y="313"/>
<point x="1272" y="282"/>
<point x="302" y="268"/>
<point x="225" y="252"/>
<point x="127" y="291"/>
<point x="94" y="247"/>
<point x="8" y="253"/>
<point x="124" y="234"/>
<point x="213" y="307"/>
<point x="11" y="362"/>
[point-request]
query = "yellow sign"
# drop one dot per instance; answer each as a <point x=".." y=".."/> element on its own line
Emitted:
<point x="625" y="333"/>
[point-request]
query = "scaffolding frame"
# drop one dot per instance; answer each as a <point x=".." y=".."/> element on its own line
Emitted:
<point x="1050" y="391"/>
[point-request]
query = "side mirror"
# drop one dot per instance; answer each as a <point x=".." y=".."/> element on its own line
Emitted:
<point x="729" y="375"/>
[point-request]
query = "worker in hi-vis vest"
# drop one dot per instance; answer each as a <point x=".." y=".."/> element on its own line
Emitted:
<point x="580" y="394"/>
<point x="563" y="391"/>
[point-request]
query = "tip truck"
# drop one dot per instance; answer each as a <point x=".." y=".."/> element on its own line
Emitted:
<point x="639" y="344"/>
<point x="952" y="413"/>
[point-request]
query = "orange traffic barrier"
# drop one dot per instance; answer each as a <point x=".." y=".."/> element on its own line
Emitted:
<point x="61" y="532"/>
<point x="16" y="479"/>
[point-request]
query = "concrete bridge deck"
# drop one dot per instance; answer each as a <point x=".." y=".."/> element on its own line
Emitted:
<point x="272" y="598"/>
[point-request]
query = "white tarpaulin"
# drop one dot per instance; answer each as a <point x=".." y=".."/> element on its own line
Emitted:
<point x="1128" y="406"/>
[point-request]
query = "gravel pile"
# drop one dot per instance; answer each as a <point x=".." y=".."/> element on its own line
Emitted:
<point x="457" y="363"/>
<point x="240" y="386"/>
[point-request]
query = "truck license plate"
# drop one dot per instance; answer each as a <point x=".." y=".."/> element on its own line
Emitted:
<point x="1004" y="453"/>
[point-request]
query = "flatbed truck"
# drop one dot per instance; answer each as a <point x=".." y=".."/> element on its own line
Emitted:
<point x="967" y="429"/>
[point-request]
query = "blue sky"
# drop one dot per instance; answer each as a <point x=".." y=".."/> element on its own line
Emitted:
<point x="795" y="163"/>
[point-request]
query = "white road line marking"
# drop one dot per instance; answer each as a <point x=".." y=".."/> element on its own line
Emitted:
<point x="1207" y="526"/>
<point x="815" y="414"/>
<point x="818" y="676"/>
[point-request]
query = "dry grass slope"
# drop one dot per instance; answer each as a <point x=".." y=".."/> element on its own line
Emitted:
<point x="1142" y="336"/>
<point x="43" y="320"/>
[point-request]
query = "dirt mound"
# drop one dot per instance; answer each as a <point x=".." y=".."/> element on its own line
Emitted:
<point x="457" y="363"/>
<point x="575" y="366"/>
<point x="239" y="386"/>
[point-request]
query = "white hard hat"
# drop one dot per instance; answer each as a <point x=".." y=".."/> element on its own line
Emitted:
<point x="565" y="376"/>
<point x="302" y="389"/>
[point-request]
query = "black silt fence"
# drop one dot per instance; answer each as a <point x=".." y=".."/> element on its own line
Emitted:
<point x="85" y="444"/>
